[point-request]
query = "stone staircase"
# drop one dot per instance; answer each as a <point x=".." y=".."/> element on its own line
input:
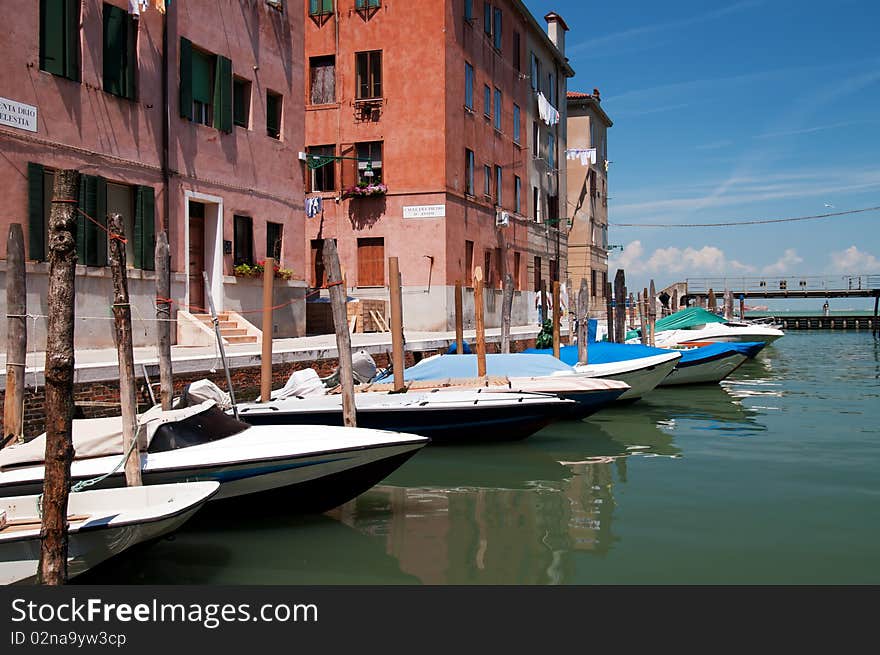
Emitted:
<point x="229" y="328"/>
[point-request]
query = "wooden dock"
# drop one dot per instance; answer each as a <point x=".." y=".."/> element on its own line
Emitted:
<point x="834" y="322"/>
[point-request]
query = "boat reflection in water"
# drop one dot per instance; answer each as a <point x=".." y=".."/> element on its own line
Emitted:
<point x="520" y="512"/>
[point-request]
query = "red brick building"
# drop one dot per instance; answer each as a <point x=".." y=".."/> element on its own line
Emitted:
<point x="439" y="111"/>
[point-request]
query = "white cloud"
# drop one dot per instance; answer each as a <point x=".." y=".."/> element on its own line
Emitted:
<point x="784" y="264"/>
<point x="853" y="261"/>
<point x="708" y="260"/>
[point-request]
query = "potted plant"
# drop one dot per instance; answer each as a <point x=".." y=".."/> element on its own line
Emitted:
<point x="364" y="190"/>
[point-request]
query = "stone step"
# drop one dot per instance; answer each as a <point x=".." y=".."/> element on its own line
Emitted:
<point x="241" y="339"/>
<point x="232" y="332"/>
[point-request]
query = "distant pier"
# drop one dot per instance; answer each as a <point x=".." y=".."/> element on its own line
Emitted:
<point x="835" y="322"/>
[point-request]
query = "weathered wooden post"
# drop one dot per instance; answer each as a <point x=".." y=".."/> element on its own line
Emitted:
<point x="569" y="295"/>
<point x="643" y="318"/>
<point x="544" y="302"/>
<point x="674" y="303"/>
<point x="633" y="312"/>
<point x="397" y="354"/>
<point x="728" y="305"/>
<point x="124" y="348"/>
<point x="652" y="311"/>
<point x="478" y="319"/>
<point x="609" y="312"/>
<point x="556" y="318"/>
<point x="266" y="354"/>
<point x="712" y="304"/>
<point x="459" y="320"/>
<point x="620" y="300"/>
<point x="59" y="378"/>
<point x="506" y="309"/>
<point x="16" y="337"/>
<point x="583" y="307"/>
<point x="343" y="336"/>
<point x="163" y="314"/>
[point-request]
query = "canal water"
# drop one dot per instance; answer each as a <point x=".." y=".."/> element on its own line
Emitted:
<point x="772" y="477"/>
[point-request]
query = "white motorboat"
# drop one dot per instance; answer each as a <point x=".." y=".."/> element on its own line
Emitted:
<point x="710" y="363"/>
<point x="718" y="333"/>
<point x="313" y="467"/>
<point x="642" y="374"/>
<point x="102" y="523"/>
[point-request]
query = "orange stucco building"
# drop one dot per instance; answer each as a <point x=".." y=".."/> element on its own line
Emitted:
<point x="450" y="116"/>
<point x="187" y="120"/>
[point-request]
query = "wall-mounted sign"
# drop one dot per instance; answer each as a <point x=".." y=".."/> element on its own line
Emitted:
<point x="424" y="211"/>
<point x="18" y="114"/>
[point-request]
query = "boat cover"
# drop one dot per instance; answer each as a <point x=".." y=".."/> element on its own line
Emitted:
<point x="465" y="366"/>
<point x="682" y="320"/>
<point x="98" y="437"/>
<point x="604" y="352"/>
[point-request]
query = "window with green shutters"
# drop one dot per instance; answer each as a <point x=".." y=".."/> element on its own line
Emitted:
<point x="320" y="7"/>
<point x="205" y="87"/>
<point x="120" y="52"/>
<point x="60" y="38"/>
<point x="366" y="4"/>
<point x="91" y="235"/>
<point x="273" y="114"/>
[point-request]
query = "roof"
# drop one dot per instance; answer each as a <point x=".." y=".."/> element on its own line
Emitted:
<point x="542" y="32"/>
<point x="591" y="100"/>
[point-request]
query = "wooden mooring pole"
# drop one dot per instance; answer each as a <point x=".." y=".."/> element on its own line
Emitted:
<point x="569" y="295"/>
<point x="266" y="353"/>
<point x="557" y="311"/>
<point x="16" y="337"/>
<point x="124" y="348"/>
<point x="609" y="312"/>
<point x="620" y="306"/>
<point x="163" y="314"/>
<point x="459" y="320"/>
<point x="397" y="354"/>
<point x="652" y="311"/>
<point x="59" y="368"/>
<point x="480" y="324"/>
<point x="343" y="336"/>
<point x="583" y="312"/>
<point x="643" y="319"/>
<point x="506" y="310"/>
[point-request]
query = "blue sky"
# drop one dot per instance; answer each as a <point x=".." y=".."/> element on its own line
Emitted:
<point x="735" y="110"/>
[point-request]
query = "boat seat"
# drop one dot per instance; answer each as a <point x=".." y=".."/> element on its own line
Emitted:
<point x="21" y="525"/>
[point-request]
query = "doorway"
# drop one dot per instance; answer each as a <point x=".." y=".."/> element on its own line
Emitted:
<point x="196" y="257"/>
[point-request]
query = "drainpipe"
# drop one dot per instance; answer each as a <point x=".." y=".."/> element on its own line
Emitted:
<point x="166" y="123"/>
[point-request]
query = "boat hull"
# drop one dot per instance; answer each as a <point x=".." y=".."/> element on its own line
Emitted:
<point x="704" y="372"/>
<point x="642" y="375"/>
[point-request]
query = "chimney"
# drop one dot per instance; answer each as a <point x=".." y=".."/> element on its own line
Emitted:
<point x="556" y="29"/>
<point x="596" y="94"/>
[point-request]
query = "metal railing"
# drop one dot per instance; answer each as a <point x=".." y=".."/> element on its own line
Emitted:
<point x="767" y="283"/>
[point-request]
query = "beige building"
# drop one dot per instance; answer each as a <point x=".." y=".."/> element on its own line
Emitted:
<point x="587" y="175"/>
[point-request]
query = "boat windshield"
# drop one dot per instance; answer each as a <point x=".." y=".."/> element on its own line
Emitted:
<point x="210" y="425"/>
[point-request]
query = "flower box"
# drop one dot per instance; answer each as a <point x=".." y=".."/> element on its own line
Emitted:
<point x="364" y="191"/>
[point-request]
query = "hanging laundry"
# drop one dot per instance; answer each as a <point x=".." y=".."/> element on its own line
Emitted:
<point x="135" y="7"/>
<point x="313" y="207"/>
<point x="585" y="155"/>
<point x="160" y="5"/>
<point x="546" y="111"/>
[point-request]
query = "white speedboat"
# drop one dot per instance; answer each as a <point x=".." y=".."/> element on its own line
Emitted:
<point x="642" y="374"/>
<point x="718" y="333"/>
<point x="102" y="523"/>
<point x="710" y="363"/>
<point x="312" y="467"/>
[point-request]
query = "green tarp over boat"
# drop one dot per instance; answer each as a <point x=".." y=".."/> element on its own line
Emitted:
<point x="683" y="319"/>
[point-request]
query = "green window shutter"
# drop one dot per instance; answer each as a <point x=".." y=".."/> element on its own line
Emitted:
<point x="71" y="40"/>
<point x="203" y="77"/>
<point x="131" y="58"/>
<point x="186" y="78"/>
<point x="36" y="225"/>
<point x="115" y="49"/>
<point x="52" y="19"/>
<point x="223" y="94"/>
<point x="99" y="251"/>
<point x="145" y="228"/>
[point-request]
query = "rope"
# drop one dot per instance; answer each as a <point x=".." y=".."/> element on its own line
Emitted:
<point x="110" y="235"/>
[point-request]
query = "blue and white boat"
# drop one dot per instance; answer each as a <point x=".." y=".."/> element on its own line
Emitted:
<point x="710" y="363"/>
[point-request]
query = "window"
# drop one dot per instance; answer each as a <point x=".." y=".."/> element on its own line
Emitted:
<point x="536" y="203"/>
<point x="536" y="131"/>
<point x="241" y="102"/>
<point x="367" y="4"/>
<point x="59" y="38"/>
<point x="468" y="10"/>
<point x="320" y="7"/>
<point x="243" y="244"/>
<point x="497" y="109"/>
<point x="534" y="70"/>
<point x="371" y="262"/>
<point x="517" y="55"/>
<point x="205" y="87"/>
<point x="604" y="288"/>
<point x="496" y="32"/>
<point x="369" y="162"/>
<point x="516" y="271"/>
<point x="487" y="18"/>
<point x="120" y="52"/>
<point x="487" y="181"/>
<point x="322" y="80"/>
<point x="319" y="275"/>
<point x="468" y="86"/>
<point x="468" y="263"/>
<point x="537" y="273"/>
<point x="551" y="90"/>
<point x="487" y="100"/>
<point x="97" y="197"/>
<point x="488" y="273"/>
<point x="273" y="240"/>
<point x="553" y="209"/>
<point x="273" y="114"/>
<point x="551" y="150"/>
<point x="369" y="74"/>
<point x="469" y="172"/>
<point x="324" y="177"/>
<point x="593" y="288"/>
<point x="517" y="194"/>
<point x="497" y="185"/>
<point x="516" y="124"/>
